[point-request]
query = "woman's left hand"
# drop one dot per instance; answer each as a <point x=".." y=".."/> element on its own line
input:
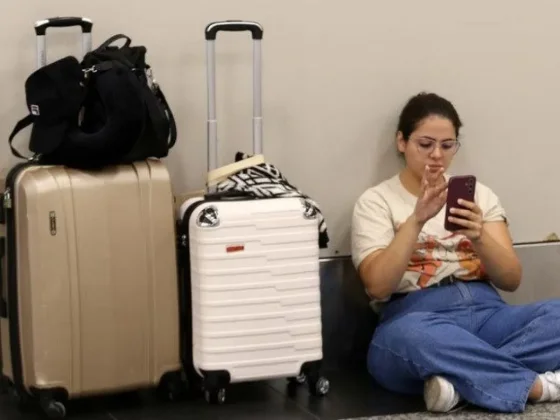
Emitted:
<point x="470" y="218"/>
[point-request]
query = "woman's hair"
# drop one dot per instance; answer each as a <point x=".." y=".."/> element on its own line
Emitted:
<point x="425" y="105"/>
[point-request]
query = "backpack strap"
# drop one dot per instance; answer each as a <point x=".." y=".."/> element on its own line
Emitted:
<point x="167" y="108"/>
<point x="155" y="90"/>
<point x="21" y="124"/>
<point x="113" y="39"/>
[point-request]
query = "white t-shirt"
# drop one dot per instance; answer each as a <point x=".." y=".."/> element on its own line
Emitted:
<point x="378" y="214"/>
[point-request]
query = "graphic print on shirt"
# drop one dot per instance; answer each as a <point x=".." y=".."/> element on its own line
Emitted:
<point x="423" y="260"/>
<point x="469" y="261"/>
<point x="431" y="252"/>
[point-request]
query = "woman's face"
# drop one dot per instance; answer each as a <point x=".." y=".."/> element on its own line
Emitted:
<point x="433" y="143"/>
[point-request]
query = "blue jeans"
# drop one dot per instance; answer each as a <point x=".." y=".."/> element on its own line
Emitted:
<point x="489" y="350"/>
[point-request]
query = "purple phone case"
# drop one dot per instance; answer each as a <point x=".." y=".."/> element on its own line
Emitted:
<point x="464" y="187"/>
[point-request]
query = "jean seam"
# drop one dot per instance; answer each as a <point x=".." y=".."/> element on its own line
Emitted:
<point x="529" y="328"/>
<point x="419" y="367"/>
<point x="523" y="339"/>
<point x="466" y="380"/>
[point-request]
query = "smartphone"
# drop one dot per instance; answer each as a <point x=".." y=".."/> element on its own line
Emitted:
<point x="458" y="187"/>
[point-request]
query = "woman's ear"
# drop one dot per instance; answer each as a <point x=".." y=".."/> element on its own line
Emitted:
<point x="401" y="142"/>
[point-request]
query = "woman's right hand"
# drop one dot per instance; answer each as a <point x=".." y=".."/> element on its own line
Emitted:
<point x="433" y="195"/>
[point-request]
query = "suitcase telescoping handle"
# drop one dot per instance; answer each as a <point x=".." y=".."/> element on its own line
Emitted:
<point x="211" y="32"/>
<point x="3" y="304"/>
<point x="41" y="27"/>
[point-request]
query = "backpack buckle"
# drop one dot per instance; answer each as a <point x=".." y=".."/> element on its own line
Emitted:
<point x="152" y="82"/>
<point x="91" y="69"/>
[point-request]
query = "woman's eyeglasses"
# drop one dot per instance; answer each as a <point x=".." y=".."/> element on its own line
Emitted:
<point x="427" y="146"/>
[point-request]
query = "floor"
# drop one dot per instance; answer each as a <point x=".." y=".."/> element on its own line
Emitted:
<point x="352" y="395"/>
<point x="549" y="411"/>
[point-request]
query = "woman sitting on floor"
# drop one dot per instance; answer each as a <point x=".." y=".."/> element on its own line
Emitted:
<point x="444" y="329"/>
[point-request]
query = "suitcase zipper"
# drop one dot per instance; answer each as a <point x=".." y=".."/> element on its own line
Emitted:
<point x="6" y="204"/>
<point x="12" y="281"/>
<point x="7" y="199"/>
<point x="185" y="305"/>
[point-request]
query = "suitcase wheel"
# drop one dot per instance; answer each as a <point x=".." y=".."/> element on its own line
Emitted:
<point x="311" y="373"/>
<point x="173" y="386"/>
<point x="53" y="409"/>
<point x="319" y="387"/>
<point x="174" y="390"/>
<point x="298" y="380"/>
<point x="215" y="396"/>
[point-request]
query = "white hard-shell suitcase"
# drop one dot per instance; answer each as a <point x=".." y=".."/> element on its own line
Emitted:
<point x="249" y="273"/>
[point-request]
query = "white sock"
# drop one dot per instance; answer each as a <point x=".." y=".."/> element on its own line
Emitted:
<point x="440" y="395"/>
<point x="550" y="386"/>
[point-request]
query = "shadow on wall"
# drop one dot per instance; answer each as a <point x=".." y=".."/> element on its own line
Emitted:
<point x="348" y="320"/>
<point x="389" y="160"/>
<point x="382" y="160"/>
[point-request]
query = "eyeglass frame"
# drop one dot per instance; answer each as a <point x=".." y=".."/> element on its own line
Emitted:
<point x="435" y="143"/>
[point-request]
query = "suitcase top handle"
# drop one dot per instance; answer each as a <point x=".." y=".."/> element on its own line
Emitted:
<point x="233" y="26"/>
<point x="41" y="26"/>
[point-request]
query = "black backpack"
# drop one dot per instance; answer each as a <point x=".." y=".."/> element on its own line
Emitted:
<point x="105" y="110"/>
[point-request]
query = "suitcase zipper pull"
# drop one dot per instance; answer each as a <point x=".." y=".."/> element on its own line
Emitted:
<point x="7" y="199"/>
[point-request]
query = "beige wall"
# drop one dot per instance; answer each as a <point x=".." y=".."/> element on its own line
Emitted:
<point x="541" y="268"/>
<point x="335" y="75"/>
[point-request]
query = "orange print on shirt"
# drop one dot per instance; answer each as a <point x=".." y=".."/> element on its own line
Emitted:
<point x="423" y="262"/>
<point x="469" y="261"/>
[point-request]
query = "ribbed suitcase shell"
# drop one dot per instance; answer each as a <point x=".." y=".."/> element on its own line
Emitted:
<point x="96" y="279"/>
<point x="254" y="267"/>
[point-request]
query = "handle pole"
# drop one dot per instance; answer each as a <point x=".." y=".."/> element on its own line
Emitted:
<point x="212" y="122"/>
<point x="257" y="98"/>
<point x="211" y="33"/>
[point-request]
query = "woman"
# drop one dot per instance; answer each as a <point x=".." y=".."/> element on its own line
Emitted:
<point x="444" y="329"/>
